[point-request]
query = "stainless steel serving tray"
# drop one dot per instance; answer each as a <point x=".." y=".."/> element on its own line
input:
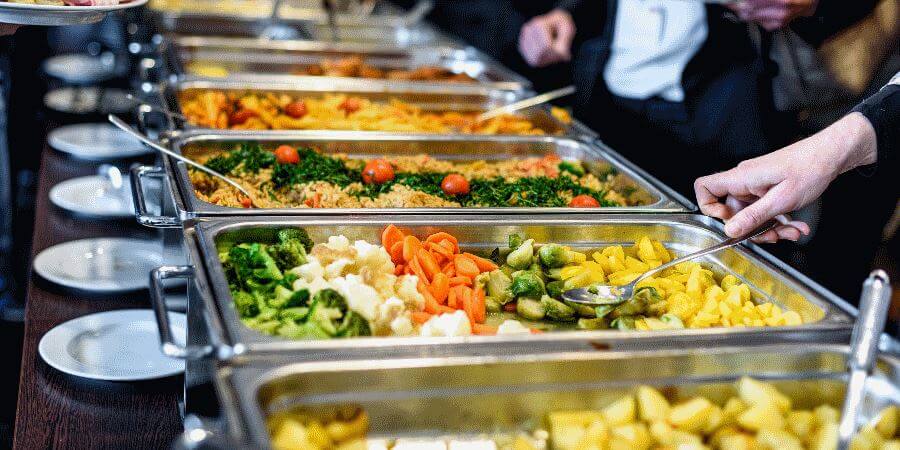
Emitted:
<point x="466" y="397"/>
<point x="247" y="58"/>
<point x="431" y="97"/>
<point x="768" y="278"/>
<point x="658" y="198"/>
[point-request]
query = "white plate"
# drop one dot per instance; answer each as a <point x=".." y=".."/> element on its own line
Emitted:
<point x="50" y="15"/>
<point x="100" y="265"/>
<point x="95" y="142"/>
<point x="118" y="345"/>
<point x="94" y="196"/>
<point x="79" y="68"/>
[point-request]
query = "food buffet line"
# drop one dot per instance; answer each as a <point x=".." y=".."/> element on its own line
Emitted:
<point x="392" y="273"/>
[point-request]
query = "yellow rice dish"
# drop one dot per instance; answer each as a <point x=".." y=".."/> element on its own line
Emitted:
<point x="271" y="111"/>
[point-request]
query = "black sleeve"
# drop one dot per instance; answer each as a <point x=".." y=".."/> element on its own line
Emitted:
<point x="883" y="112"/>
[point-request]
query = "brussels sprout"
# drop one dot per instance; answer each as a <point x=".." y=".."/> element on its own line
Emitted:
<point x="623" y="323"/>
<point x="493" y="305"/>
<point x="530" y="309"/>
<point x="592" y="324"/>
<point x="554" y="274"/>
<point x="507" y="270"/>
<point x="554" y="255"/>
<point x="603" y="310"/>
<point x="498" y="287"/>
<point x="520" y="258"/>
<point x="672" y="320"/>
<point x="527" y="284"/>
<point x="557" y="310"/>
<point x="514" y="241"/>
<point x="555" y="289"/>
<point x="640" y="302"/>
<point x="582" y="310"/>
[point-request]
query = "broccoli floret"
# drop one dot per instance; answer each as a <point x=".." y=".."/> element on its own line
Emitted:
<point x="297" y="314"/>
<point x="308" y="330"/>
<point x="354" y="325"/>
<point x="527" y="284"/>
<point x="291" y="249"/>
<point x="254" y="268"/>
<point x="245" y="304"/>
<point x="295" y="235"/>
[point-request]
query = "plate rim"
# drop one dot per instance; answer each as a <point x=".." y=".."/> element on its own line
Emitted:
<point x="68" y="8"/>
<point x="53" y="140"/>
<point x="81" y="286"/>
<point x="55" y="197"/>
<point x="177" y="319"/>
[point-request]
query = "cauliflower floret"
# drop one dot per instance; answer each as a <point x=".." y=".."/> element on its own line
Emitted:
<point x="361" y="297"/>
<point x="373" y="256"/>
<point x="402" y="326"/>
<point x="311" y="270"/>
<point x="338" y="243"/>
<point x="336" y="268"/>
<point x="447" y="324"/>
<point x="409" y="293"/>
<point x="512" y="327"/>
<point x="313" y="286"/>
<point x="391" y="309"/>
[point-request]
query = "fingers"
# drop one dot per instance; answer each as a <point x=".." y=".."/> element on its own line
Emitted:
<point x="711" y="188"/>
<point x="564" y="34"/>
<point x="792" y="232"/>
<point x="547" y="39"/>
<point x="774" y="202"/>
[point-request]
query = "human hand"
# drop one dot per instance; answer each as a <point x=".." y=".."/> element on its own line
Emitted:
<point x="547" y="39"/>
<point x="773" y="14"/>
<point x="785" y="180"/>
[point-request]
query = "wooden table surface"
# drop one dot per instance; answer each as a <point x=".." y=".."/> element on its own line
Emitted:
<point x="56" y="410"/>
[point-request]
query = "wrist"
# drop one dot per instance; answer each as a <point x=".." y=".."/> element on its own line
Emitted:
<point x="851" y="142"/>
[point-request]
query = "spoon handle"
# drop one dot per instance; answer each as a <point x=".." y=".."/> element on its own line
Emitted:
<point x="527" y="103"/>
<point x="715" y="248"/>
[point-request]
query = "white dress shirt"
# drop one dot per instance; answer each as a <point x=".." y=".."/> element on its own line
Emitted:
<point x="653" y="42"/>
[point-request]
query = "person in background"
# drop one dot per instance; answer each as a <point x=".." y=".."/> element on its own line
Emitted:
<point x="680" y="87"/>
<point x="759" y="189"/>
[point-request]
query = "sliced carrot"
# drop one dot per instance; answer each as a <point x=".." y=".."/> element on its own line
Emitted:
<point x="461" y="281"/>
<point x="398" y="269"/>
<point x="441" y="250"/>
<point x="442" y="236"/>
<point x="465" y="267"/>
<point x="428" y="263"/>
<point x="445" y="309"/>
<point x="450" y="246"/>
<point x="431" y="305"/>
<point x="468" y="303"/>
<point x="421" y="317"/>
<point x="535" y="331"/>
<point x="390" y="236"/>
<point x="396" y="252"/>
<point x="510" y="307"/>
<point x="411" y="245"/>
<point x="440" y="287"/>
<point x="449" y="269"/>
<point x="483" y="330"/>
<point x="484" y="265"/>
<point x="452" y="300"/>
<point x="479" y="307"/>
<point x="417" y="271"/>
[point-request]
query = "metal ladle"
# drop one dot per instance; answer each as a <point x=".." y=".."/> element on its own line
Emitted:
<point x="148" y="107"/>
<point x="154" y="145"/>
<point x="613" y="295"/>
<point x="873" y="309"/>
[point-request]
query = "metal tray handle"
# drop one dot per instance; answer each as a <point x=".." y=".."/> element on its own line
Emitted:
<point x="167" y="342"/>
<point x="140" y="203"/>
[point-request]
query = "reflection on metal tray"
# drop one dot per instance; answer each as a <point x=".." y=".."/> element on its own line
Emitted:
<point x="655" y="197"/>
<point x="431" y="98"/>
<point x="472" y="396"/>
<point x="768" y="278"/>
<point x="234" y="57"/>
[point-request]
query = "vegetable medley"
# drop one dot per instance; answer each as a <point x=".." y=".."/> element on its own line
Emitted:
<point x="406" y="286"/>
<point x="271" y="111"/>
<point x="758" y="417"/>
<point x="303" y="177"/>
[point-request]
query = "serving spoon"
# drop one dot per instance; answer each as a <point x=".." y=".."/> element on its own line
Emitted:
<point x="527" y="103"/>
<point x="154" y="145"/>
<point x="598" y="295"/>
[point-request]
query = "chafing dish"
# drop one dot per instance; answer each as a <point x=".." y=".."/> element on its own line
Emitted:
<point x="657" y="198"/>
<point x="830" y="318"/>
<point x="467" y="397"/>
<point x="247" y="58"/>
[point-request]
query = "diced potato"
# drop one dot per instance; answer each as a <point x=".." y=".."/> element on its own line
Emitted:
<point x="867" y="438"/>
<point x="826" y="414"/>
<point x="692" y="415"/>
<point x="621" y="411"/>
<point x="664" y="434"/>
<point x="341" y="431"/>
<point x="886" y="422"/>
<point x="523" y="443"/>
<point x="754" y="392"/>
<point x="801" y="423"/>
<point x="290" y="434"/>
<point x="760" y="416"/>
<point x="652" y="405"/>
<point x="566" y="436"/>
<point x="825" y="438"/>
<point x="317" y="434"/>
<point x="596" y="436"/>
<point x="778" y="440"/>
<point x="633" y="436"/>
<point x="716" y="419"/>
<point x="893" y="444"/>
<point x="355" y="444"/>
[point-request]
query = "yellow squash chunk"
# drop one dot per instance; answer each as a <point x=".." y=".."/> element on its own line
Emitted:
<point x="778" y="440"/>
<point x="692" y="415"/>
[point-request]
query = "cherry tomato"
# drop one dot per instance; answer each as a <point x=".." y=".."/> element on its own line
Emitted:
<point x="350" y="105"/>
<point x="245" y="202"/>
<point x="285" y="154"/>
<point x="455" y="184"/>
<point x="296" y="109"/>
<point x="240" y="116"/>
<point x="584" y="201"/>
<point x="377" y="171"/>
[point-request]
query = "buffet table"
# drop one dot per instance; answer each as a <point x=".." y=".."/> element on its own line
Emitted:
<point x="56" y="410"/>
